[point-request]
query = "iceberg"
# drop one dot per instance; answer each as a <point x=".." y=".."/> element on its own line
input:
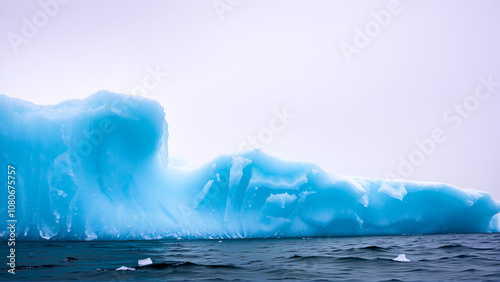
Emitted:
<point x="402" y="258"/>
<point x="125" y="268"/>
<point x="98" y="169"/>
<point x="144" y="262"/>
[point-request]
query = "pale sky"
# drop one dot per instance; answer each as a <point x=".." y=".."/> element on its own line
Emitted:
<point x="232" y="64"/>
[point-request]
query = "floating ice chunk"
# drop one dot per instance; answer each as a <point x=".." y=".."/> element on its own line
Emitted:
<point x="125" y="268"/>
<point x="143" y="262"/>
<point x="401" y="258"/>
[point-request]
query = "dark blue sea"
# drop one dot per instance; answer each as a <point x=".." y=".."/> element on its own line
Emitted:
<point x="432" y="257"/>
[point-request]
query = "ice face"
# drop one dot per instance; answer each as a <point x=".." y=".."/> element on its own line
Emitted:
<point x="97" y="169"/>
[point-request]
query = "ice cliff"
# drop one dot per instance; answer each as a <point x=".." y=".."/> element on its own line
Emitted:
<point x="98" y="169"/>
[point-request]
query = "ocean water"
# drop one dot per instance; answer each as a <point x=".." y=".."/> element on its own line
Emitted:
<point x="432" y="257"/>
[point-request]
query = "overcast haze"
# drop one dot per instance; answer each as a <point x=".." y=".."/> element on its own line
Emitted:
<point x="231" y="70"/>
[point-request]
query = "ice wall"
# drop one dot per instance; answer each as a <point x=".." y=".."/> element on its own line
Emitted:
<point x="98" y="169"/>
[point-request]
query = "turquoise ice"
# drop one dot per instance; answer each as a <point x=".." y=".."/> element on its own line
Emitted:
<point x="97" y="169"/>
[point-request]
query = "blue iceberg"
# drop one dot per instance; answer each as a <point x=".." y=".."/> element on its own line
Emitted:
<point x="98" y="169"/>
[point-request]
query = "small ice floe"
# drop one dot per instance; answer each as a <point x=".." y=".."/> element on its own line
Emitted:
<point x="402" y="258"/>
<point x="220" y="241"/>
<point x="125" y="268"/>
<point x="143" y="262"/>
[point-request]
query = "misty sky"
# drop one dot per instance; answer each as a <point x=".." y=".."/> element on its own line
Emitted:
<point x="359" y="99"/>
